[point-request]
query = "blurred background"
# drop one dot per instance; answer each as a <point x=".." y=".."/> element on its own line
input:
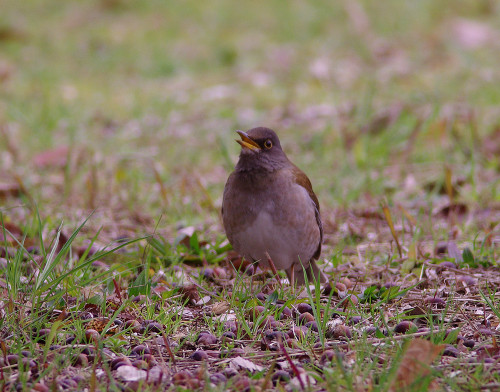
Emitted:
<point x="131" y="106"/>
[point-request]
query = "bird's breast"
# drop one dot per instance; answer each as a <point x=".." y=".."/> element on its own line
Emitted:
<point x="280" y="220"/>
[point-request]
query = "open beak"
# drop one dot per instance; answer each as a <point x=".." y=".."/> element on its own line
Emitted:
<point x="246" y="142"/>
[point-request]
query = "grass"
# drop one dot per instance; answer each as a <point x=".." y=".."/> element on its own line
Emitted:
<point x="117" y="121"/>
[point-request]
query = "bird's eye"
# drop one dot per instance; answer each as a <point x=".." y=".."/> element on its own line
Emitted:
<point x="268" y="144"/>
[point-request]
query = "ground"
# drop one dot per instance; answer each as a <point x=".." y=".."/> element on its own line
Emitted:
<point x="117" y="122"/>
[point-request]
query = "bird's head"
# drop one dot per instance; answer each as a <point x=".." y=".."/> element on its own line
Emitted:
<point x="260" y="150"/>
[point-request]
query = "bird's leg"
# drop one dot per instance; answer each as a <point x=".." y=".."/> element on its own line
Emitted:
<point x="273" y="267"/>
<point x="292" y="275"/>
<point x="296" y="277"/>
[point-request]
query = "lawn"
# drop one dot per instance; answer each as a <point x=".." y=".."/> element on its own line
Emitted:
<point x="117" y="128"/>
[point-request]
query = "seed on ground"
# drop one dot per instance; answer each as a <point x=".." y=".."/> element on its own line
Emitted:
<point x="199" y="355"/>
<point x="254" y="313"/>
<point x="261" y="297"/>
<point x="228" y="335"/>
<point x="469" y="343"/>
<point x="12" y="359"/>
<point x="305" y="317"/>
<point x="450" y="351"/>
<point x="81" y="360"/>
<point x="329" y="355"/>
<point x="285" y="313"/>
<point x="92" y="336"/>
<point x="140" y="350"/>
<point x="140" y="364"/>
<point x="280" y="375"/>
<point x="312" y="325"/>
<point x="341" y="332"/>
<point x="43" y="334"/>
<point x="304" y="307"/>
<point x="404" y="326"/>
<point x="134" y="325"/>
<point x="153" y="327"/>
<point x="230" y="372"/>
<point x="218" y="378"/>
<point x="206" y="339"/>
<point x="120" y="361"/>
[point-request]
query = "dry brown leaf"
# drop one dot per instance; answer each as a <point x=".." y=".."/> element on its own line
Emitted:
<point x="99" y="324"/>
<point x="220" y="307"/>
<point x="9" y="189"/>
<point x="451" y="208"/>
<point x="415" y="363"/>
<point x="388" y="218"/>
<point x="487" y="351"/>
<point x="190" y="293"/>
<point x="14" y="231"/>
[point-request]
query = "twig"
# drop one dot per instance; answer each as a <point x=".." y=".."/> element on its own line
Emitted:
<point x="163" y="189"/>
<point x="292" y="365"/>
<point x="117" y="291"/>
<point x="448" y="268"/>
<point x="167" y="346"/>
<point x="268" y="376"/>
<point x="491" y="386"/>
<point x="388" y="218"/>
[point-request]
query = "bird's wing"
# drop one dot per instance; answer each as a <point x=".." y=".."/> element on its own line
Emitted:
<point x="302" y="180"/>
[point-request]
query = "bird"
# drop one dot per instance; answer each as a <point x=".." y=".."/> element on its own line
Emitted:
<point x="270" y="211"/>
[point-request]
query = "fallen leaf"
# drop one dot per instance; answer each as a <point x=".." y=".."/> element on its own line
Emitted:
<point x="184" y="235"/>
<point x="306" y="380"/>
<point x="488" y="351"/>
<point x="225" y="317"/>
<point x="220" y="308"/>
<point x="14" y="231"/>
<point x="99" y="323"/>
<point x="190" y="293"/>
<point x="9" y="189"/>
<point x="415" y="364"/>
<point x="242" y="363"/>
<point x="130" y="373"/>
<point x="454" y="252"/>
<point x="452" y="208"/>
<point x="181" y="311"/>
<point x="203" y="301"/>
<point x="11" y="33"/>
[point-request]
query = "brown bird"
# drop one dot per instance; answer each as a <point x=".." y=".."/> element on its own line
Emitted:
<point x="269" y="206"/>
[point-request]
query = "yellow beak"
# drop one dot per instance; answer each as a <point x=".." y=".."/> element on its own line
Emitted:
<point x="246" y="142"/>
